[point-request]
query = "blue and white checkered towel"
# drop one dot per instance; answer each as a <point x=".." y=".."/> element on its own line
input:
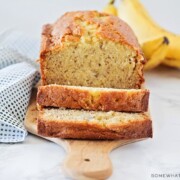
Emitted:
<point x="18" y="74"/>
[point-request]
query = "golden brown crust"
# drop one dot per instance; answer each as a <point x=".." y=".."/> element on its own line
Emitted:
<point x="66" y="28"/>
<point x="111" y="28"/>
<point x="79" y="98"/>
<point x="83" y="130"/>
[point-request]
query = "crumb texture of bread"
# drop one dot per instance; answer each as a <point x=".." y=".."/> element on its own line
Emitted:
<point x="80" y="124"/>
<point x="89" y="98"/>
<point x="88" y="48"/>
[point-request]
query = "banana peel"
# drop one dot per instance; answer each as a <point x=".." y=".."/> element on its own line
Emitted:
<point x="153" y="39"/>
<point x="158" y="56"/>
<point x="146" y="30"/>
<point x="175" y="63"/>
<point x="150" y="46"/>
<point x="110" y="8"/>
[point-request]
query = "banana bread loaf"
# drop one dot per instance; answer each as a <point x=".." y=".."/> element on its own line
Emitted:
<point x="90" y="98"/>
<point x="89" y="48"/>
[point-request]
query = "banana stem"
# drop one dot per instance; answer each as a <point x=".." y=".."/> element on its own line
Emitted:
<point x="111" y="1"/>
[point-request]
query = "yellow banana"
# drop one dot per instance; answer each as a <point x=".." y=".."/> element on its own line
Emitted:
<point x="110" y="8"/>
<point x="158" y="56"/>
<point x="172" y="63"/>
<point x="145" y="28"/>
<point x="150" y="46"/>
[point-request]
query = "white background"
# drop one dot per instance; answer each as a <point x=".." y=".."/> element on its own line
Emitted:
<point x="29" y="15"/>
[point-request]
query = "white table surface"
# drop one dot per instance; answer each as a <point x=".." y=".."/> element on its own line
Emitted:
<point x="38" y="159"/>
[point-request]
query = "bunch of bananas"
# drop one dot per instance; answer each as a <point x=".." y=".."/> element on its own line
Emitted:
<point x="159" y="45"/>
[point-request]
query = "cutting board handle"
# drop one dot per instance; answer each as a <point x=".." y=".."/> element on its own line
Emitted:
<point x="88" y="160"/>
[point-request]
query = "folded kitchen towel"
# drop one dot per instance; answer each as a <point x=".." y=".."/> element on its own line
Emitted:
<point x="18" y="74"/>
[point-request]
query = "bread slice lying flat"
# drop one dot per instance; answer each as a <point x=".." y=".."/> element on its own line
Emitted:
<point x="89" y="98"/>
<point x="81" y="124"/>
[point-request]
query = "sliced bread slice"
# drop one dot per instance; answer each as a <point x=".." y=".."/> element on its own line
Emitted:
<point x="80" y="124"/>
<point x="89" y="98"/>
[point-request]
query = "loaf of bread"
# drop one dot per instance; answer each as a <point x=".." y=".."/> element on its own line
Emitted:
<point x="90" y="98"/>
<point x="89" y="48"/>
<point x="92" y="68"/>
<point x="80" y="124"/>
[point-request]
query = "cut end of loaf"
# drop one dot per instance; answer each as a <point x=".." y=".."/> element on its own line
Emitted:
<point x="105" y="64"/>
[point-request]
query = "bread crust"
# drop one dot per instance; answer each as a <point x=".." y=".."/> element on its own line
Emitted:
<point x="84" y="130"/>
<point x="113" y="29"/>
<point x="79" y="98"/>
<point x="66" y="28"/>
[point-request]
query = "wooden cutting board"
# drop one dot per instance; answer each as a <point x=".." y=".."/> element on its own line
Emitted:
<point x="85" y="159"/>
